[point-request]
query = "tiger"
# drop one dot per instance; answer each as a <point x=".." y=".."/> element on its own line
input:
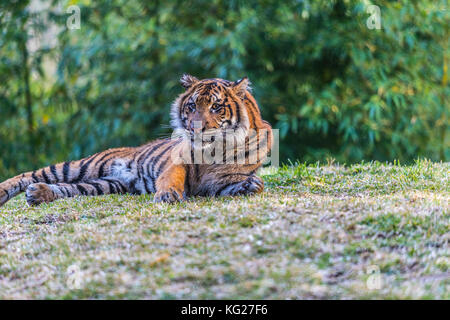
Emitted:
<point x="161" y="167"/>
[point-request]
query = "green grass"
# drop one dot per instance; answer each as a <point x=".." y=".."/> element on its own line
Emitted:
<point x="314" y="233"/>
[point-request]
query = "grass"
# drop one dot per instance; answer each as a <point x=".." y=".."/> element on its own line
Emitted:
<point x="318" y="231"/>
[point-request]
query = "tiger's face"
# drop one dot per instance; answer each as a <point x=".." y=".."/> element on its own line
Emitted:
<point x="210" y="106"/>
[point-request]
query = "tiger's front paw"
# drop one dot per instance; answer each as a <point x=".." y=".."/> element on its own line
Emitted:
<point x="169" y="196"/>
<point x="38" y="193"/>
<point x="251" y="185"/>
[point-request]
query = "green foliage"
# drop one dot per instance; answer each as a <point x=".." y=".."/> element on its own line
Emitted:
<point x="334" y="87"/>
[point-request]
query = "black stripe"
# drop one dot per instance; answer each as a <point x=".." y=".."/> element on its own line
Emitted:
<point x="46" y="179"/>
<point x="253" y="116"/>
<point x="112" y="187"/>
<point x="153" y="183"/>
<point x="230" y="115"/>
<point x="148" y="151"/>
<point x="66" y="170"/>
<point x="122" y="188"/>
<point x="157" y="158"/>
<point x="140" y="167"/>
<point x="34" y="177"/>
<point x="118" y="186"/>
<point x="148" y="156"/>
<point x="54" y="172"/>
<point x="107" y="154"/>
<point x="63" y="190"/>
<point x="83" y="171"/>
<point x="101" y="170"/>
<point x="82" y="190"/>
<point x="68" y="192"/>
<point x="89" y="158"/>
<point x="153" y="160"/>
<point x="97" y="187"/>
<point x="238" y="112"/>
<point x="191" y="159"/>
<point x="161" y="167"/>
<point x="145" y="185"/>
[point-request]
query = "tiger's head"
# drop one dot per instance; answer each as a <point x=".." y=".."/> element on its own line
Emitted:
<point x="210" y="106"/>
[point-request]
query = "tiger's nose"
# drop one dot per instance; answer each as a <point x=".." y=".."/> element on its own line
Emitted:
<point x="197" y="127"/>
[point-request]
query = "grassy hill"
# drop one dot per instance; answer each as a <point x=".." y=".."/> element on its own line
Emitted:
<point x="321" y="231"/>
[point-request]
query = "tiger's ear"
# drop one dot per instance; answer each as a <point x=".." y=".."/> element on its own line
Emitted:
<point x="187" y="80"/>
<point x="241" y="86"/>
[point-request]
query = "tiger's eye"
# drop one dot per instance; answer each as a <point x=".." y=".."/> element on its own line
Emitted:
<point x="216" y="107"/>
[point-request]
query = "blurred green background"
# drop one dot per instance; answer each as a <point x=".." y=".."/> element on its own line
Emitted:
<point x="334" y="87"/>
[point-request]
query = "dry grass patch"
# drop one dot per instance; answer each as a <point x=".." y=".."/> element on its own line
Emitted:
<point x="315" y="232"/>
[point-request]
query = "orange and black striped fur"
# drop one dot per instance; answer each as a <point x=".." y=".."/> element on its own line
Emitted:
<point x="215" y="105"/>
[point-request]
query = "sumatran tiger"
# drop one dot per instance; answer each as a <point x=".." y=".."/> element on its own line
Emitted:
<point x="169" y="167"/>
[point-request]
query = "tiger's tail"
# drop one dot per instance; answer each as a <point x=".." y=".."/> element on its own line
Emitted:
<point x="72" y="174"/>
<point x="18" y="184"/>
